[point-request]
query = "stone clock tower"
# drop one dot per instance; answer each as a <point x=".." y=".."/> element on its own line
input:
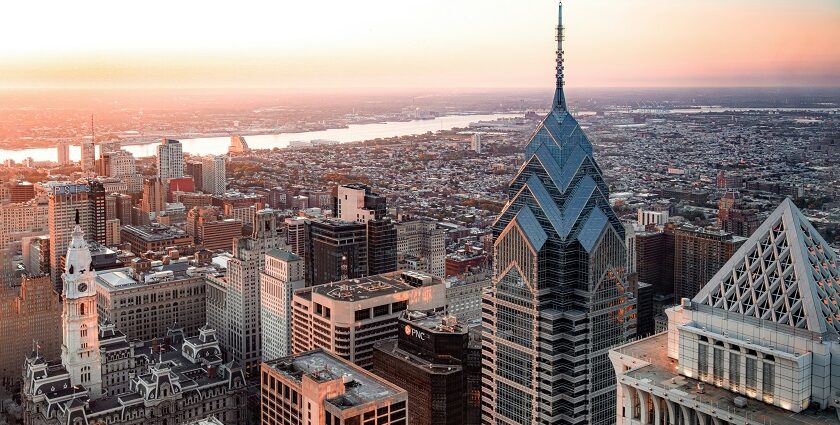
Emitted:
<point x="80" y="348"/>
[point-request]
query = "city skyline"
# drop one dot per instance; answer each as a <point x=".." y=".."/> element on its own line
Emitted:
<point x="384" y="46"/>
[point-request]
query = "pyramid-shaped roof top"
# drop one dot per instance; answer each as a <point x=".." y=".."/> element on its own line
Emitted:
<point x="784" y="273"/>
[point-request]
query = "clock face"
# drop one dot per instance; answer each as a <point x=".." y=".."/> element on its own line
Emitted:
<point x="82" y="287"/>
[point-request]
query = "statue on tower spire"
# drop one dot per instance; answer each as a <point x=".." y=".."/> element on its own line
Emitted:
<point x="559" y="96"/>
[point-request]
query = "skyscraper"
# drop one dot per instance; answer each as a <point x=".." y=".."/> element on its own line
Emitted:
<point x="358" y="202"/>
<point x="475" y="142"/>
<point x="559" y="299"/>
<point x="71" y="204"/>
<point x="213" y="174"/>
<point x="335" y="250"/>
<point x="283" y="274"/>
<point x="63" y="152"/>
<point x="170" y="159"/>
<point x="698" y="255"/>
<point x="422" y="243"/>
<point x="88" y="156"/>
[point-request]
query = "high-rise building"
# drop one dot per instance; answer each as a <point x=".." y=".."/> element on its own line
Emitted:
<point x="756" y="345"/>
<point x="296" y="235"/>
<point x="176" y="295"/>
<point x="196" y="170"/>
<point x="357" y="202"/>
<point x="21" y="191"/>
<point x="214" y="179"/>
<point x="88" y="156"/>
<point x="698" y="255"/>
<point x="348" y="317"/>
<point x="657" y="218"/>
<point x="154" y="198"/>
<point x="559" y="299"/>
<point x="652" y="261"/>
<point x="72" y="204"/>
<point x="239" y="316"/>
<point x="422" y="244"/>
<point x="123" y="204"/>
<point x="318" y="387"/>
<point x="170" y="159"/>
<point x="475" y="142"/>
<point x="63" y="152"/>
<point x="335" y="250"/>
<point x="212" y="231"/>
<point x="30" y="319"/>
<point x="21" y="220"/>
<point x="464" y="294"/>
<point x="283" y="275"/>
<point x="437" y="360"/>
<point x="734" y="218"/>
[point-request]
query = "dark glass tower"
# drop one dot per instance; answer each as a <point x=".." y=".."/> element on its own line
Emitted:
<point x="559" y="299"/>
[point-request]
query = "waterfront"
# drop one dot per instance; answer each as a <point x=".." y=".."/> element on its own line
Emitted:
<point x="219" y="145"/>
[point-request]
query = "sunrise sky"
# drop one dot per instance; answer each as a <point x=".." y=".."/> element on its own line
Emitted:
<point x="398" y="44"/>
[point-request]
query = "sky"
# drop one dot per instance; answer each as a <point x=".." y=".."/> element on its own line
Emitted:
<point x="392" y="45"/>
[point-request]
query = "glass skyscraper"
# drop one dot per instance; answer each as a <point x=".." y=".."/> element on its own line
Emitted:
<point x="559" y="299"/>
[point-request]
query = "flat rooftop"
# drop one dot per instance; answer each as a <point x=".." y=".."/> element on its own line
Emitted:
<point x="361" y="386"/>
<point x="661" y="374"/>
<point x="152" y="233"/>
<point x="363" y="288"/>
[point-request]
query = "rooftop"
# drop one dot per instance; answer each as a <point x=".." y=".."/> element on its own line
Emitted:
<point x="155" y="232"/>
<point x="370" y="287"/>
<point x="660" y="374"/>
<point x="360" y="386"/>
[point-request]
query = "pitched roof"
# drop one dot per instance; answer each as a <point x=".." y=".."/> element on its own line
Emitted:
<point x="784" y="273"/>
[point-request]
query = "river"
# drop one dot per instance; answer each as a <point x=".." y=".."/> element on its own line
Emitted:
<point x="219" y="145"/>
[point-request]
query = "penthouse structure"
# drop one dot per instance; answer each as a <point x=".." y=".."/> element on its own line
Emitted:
<point x="757" y="344"/>
<point x="321" y="388"/>
<point x="348" y="317"/>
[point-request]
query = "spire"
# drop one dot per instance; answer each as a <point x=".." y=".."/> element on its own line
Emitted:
<point x="559" y="97"/>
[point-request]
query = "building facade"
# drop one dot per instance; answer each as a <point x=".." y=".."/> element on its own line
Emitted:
<point x="170" y="159"/>
<point x="335" y="250"/>
<point x="559" y="299"/>
<point x="283" y="275"/>
<point x="318" y="387"/>
<point x="421" y="242"/>
<point x="30" y="318"/>
<point x="756" y="345"/>
<point x="698" y="255"/>
<point x="72" y="204"/>
<point x="348" y="317"/>
<point x="214" y="178"/>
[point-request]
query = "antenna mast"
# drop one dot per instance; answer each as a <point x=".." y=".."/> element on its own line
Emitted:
<point x="559" y="96"/>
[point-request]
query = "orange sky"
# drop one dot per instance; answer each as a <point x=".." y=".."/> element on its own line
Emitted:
<point x="392" y="45"/>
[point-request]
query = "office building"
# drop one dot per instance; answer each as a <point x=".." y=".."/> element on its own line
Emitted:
<point x="88" y="150"/>
<point x="238" y="145"/>
<point x="21" y="220"/>
<point x="170" y="159"/>
<point x="214" y="179"/>
<point x="212" y="231"/>
<point x="465" y="260"/>
<point x="464" y="293"/>
<point x="559" y="262"/>
<point x="756" y="345"/>
<point x="283" y="275"/>
<point x="30" y="319"/>
<point x="734" y="217"/>
<point x="154" y="238"/>
<point x="698" y="254"/>
<point x="195" y="169"/>
<point x="234" y="304"/>
<point x="20" y="191"/>
<point x="296" y="235"/>
<point x="422" y="243"/>
<point x="123" y="205"/>
<point x="318" y="387"/>
<point x="153" y="203"/>
<point x="145" y="300"/>
<point x="475" y="142"/>
<point x="36" y="255"/>
<point x="112" y="232"/>
<point x="117" y="163"/>
<point x="437" y="360"/>
<point x="335" y="250"/>
<point x="348" y="317"/>
<point x="63" y="149"/>
<point x="358" y="202"/>
<point x="655" y="218"/>
<point x="72" y="204"/>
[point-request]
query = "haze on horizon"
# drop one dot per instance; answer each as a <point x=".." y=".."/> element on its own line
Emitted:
<point x="395" y="45"/>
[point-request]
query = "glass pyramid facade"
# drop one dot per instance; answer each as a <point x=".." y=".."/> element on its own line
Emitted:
<point x="559" y="300"/>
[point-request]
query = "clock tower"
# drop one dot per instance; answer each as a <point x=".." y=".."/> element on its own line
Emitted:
<point x="80" y="347"/>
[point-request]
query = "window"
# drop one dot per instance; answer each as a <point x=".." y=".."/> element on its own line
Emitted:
<point x="751" y="374"/>
<point x="768" y="378"/>
<point x="717" y="365"/>
<point x="703" y="361"/>
<point x="381" y="310"/>
<point x="734" y="371"/>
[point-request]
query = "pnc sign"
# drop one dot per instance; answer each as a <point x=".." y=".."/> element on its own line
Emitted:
<point x="422" y="336"/>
